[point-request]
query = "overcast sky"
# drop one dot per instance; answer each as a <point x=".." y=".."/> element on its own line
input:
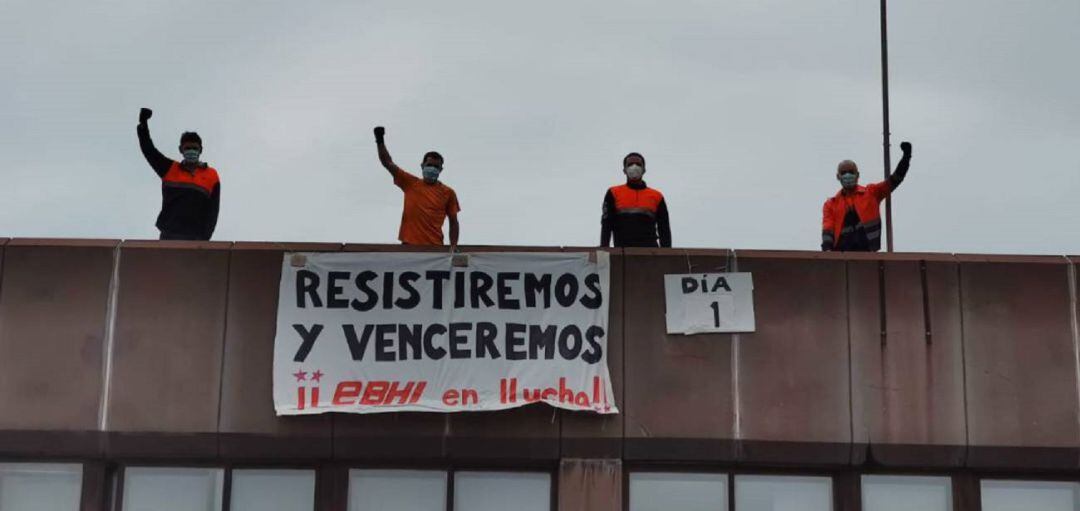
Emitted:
<point x="742" y="109"/>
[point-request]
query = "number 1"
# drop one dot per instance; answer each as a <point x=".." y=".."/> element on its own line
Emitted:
<point x="716" y="313"/>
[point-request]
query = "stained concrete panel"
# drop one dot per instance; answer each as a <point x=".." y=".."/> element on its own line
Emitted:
<point x="167" y="347"/>
<point x="248" y="424"/>
<point x="908" y="393"/>
<point x="53" y="305"/>
<point x="1020" y="363"/>
<point x="678" y="403"/>
<point x="793" y="372"/>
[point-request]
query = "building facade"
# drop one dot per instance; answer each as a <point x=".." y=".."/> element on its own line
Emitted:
<point x="137" y="376"/>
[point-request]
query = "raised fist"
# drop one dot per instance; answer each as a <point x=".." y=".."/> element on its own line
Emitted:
<point x="380" y="132"/>
<point x="905" y="147"/>
<point x="145" y="114"/>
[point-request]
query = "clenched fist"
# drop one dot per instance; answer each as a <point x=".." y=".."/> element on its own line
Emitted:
<point x="380" y="132"/>
<point x="145" y="114"/>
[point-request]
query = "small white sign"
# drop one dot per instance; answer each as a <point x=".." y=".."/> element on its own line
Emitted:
<point x="700" y="303"/>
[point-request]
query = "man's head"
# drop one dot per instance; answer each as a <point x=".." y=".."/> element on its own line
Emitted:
<point x="634" y="166"/>
<point x="191" y="146"/>
<point x="431" y="166"/>
<point x="848" y="174"/>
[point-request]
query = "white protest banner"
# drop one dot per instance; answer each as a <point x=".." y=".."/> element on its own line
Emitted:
<point x="709" y="303"/>
<point x="392" y="332"/>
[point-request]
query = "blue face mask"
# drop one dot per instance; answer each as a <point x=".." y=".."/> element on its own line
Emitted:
<point x="849" y="180"/>
<point x="191" y="155"/>
<point x="431" y="173"/>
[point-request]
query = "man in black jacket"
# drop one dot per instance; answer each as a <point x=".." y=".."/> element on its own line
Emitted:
<point x="635" y="214"/>
<point x="190" y="189"/>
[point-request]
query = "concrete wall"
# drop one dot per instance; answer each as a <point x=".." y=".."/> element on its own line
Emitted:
<point x="162" y="351"/>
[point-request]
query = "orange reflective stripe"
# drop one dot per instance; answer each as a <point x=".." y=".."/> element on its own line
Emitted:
<point x="629" y="200"/>
<point x="204" y="179"/>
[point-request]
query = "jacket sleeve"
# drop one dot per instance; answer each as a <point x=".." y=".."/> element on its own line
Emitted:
<point x="607" y="219"/>
<point x="898" y="175"/>
<point x="157" y="161"/>
<point x="663" y="225"/>
<point x="212" y="213"/>
<point x="827" y="229"/>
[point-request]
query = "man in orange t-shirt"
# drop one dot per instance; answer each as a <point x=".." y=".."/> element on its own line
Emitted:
<point x="427" y="201"/>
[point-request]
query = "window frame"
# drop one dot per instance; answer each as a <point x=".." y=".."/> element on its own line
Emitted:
<point x="955" y="501"/>
<point x="836" y="477"/>
<point x="102" y="483"/>
<point x="453" y="468"/>
<point x="115" y="499"/>
<point x="1011" y="476"/>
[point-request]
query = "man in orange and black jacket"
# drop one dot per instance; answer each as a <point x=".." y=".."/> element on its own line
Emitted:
<point x="851" y="219"/>
<point x="190" y="189"/>
<point x="636" y="214"/>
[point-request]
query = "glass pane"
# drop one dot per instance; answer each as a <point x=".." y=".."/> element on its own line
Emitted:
<point x="172" y="489"/>
<point x="272" y="490"/>
<point x="783" y="493"/>
<point x="1030" y="495"/>
<point x="654" y="491"/>
<point x="498" y="491"/>
<point x="36" y="486"/>
<point x="397" y="490"/>
<point x="903" y="493"/>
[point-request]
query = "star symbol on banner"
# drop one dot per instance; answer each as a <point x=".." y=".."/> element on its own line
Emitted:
<point x="300" y="375"/>
<point x="317" y="375"/>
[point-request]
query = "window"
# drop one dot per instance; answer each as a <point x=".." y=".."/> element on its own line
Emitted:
<point x="498" y="491"/>
<point x="655" y="491"/>
<point x="903" y="493"/>
<point x="272" y="490"/>
<point x="782" y="493"/>
<point x="172" y="489"/>
<point x="426" y="490"/>
<point x="397" y="490"/>
<point x="34" y="486"/>
<point x="1030" y="495"/>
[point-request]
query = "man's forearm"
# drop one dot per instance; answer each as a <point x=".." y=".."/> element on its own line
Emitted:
<point x="900" y="173"/>
<point x="384" y="156"/>
<point x="157" y="161"/>
<point x="455" y="229"/>
<point x="384" y="153"/>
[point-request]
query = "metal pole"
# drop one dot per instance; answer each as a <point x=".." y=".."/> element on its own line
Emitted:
<point x="885" y="120"/>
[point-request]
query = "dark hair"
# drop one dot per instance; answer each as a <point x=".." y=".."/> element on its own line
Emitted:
<point x="434" y="154"/>
<point x="190" y="136"/>
<point x="627" y="157"/>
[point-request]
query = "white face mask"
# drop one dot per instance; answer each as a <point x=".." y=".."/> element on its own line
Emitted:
<point x="191" y="155"/>
<point x="634" y="172"/>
